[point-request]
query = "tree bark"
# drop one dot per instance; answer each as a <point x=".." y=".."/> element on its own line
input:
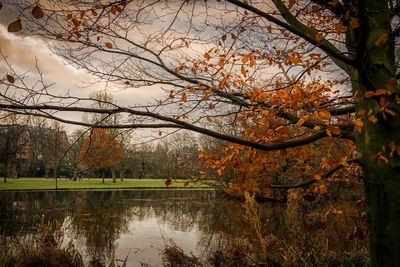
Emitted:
<point x="381" y="165"/>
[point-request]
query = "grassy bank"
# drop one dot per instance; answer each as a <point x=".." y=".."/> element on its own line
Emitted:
<point x="93" y="183"/>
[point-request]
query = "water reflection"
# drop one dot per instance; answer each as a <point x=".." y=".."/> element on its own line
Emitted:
<point x="109" y="225"/>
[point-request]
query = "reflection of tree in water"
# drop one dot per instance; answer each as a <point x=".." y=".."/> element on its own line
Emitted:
<point x="22" y="211"/>
<point x="100" y="217"/>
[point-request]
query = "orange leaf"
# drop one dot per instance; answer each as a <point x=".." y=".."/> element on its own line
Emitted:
<point x="382" y="40"/>
<point x="114" y="10"/>
<point x="324" y="114"/>
<point x="184" y="97"/>
<point x="109" y="45"/>
<point x="294" y="59"/>
<point x="372" y="118"/>
<point x="37" y="12"/>
<point x="328" y="133"/>
<point x="354" y="23"/>
<point x="10" y="78"/>
<point x="369" y="94"/>
<point x="221" y="62"/>
<point x="359" y="124"/>
<point x="339" y="28"/>
<point x="245" y="58"/>
<point x="207" y="56"/>
<point x="15" y="26"/>
<point x="319" y="37"/>
<point x="244" y="72"/>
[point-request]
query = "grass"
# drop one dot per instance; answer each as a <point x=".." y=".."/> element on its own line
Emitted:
<point x="93" y="183"/>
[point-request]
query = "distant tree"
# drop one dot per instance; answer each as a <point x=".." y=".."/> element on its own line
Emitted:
<point x="101" y="149"/>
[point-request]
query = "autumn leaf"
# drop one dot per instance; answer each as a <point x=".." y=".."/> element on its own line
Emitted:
<point x="319" y="37"/>
<point x="369" y="94"/>
<point x="168" y="182"/>
<point x="10" y="78"/>
<point x="243" y="71"/>
<point x="339" y="28"/>
<point x="324" y="114"/>
<point x="382" y="40"/>
<point x="207" y="56"/>
<point x="184" y="97"/>
<point x="294" y="59"/>
<point x="321" y="189"/>
<point x="245" y="58"/>
<point x="109" y="45"/>
<point x="186" y="183"/>
<point x="221" y="63"/>
<point x="94" y="13"/>
<point x="372" y="118"/>
<point x="354" y="23"/>
<point x="15" y="26"/>
<point x="359" y="124"/>
<point x="37" y="12"/>
<point x="114" y="10"/>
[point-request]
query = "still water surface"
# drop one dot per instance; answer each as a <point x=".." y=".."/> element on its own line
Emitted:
<point x="110" y="225"/>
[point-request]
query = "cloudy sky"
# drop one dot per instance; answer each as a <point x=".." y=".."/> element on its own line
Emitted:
<point x="23" y="52"/>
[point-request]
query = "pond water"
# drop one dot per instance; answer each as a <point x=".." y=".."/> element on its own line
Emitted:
<point x="110" y="225"/>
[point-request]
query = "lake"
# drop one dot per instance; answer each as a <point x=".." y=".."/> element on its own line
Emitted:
<point x="111" y="225"/>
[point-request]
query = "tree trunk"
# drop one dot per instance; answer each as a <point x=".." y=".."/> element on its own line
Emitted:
<point x="377" y="142"/>
<point x="114" y="178"/>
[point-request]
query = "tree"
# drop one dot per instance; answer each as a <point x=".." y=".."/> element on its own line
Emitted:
<point x="327" y="66"/>
<point x="101" y="149"/>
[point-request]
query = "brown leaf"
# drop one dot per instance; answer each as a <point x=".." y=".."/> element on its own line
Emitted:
<point x="15" y="26"/>
<point x="37" y="12"/>
<point x="207" y="56"/>
<point x="109" y="45"/>
<point x="354" y="23"/>
<point x="319" y="37"/>
<point x="10" y="79"/>
<point x="168" y="182"/>
<point x="114" y="10"/>
<point x="184" y="97"/>
<point x="94" y="13"/>
<point x="382" y="40"/>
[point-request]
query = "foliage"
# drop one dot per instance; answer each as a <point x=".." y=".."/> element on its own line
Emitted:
<point x="101" y="149"/>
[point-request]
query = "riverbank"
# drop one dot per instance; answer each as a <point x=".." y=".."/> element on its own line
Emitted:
<point x="29" y="184"/>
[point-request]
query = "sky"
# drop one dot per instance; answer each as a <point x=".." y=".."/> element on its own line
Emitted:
<point x="24" y="52"/>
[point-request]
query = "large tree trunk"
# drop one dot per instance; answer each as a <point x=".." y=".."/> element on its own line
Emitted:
<point x="376" y="141"/>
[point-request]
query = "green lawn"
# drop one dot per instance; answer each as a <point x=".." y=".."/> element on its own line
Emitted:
<point x="93" y="183"/>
